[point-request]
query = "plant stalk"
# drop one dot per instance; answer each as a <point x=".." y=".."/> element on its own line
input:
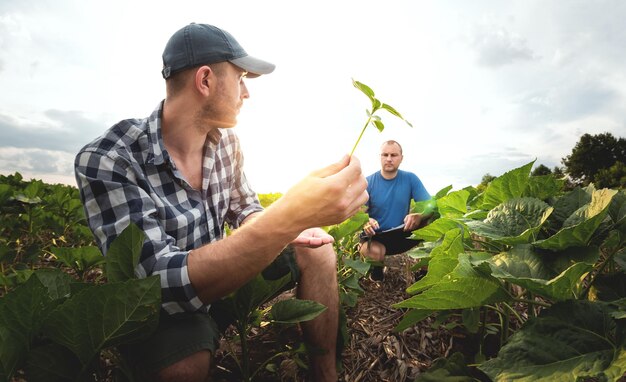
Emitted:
<point x="362" y="131"/>
<point x="545" y="305"/>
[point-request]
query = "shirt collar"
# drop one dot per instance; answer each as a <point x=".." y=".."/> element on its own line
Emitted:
<point x="158" y="153"/>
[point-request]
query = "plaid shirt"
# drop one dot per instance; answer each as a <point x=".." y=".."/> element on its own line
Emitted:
<point x="127" y="175"/>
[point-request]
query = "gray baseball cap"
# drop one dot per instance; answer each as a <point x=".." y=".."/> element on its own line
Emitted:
<point x="199" y="44"/>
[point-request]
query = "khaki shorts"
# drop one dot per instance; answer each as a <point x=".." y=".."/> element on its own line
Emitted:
<point x="182" y="335"/>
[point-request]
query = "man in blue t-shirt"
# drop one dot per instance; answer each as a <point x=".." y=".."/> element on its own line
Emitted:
<point x="390" y="223"/>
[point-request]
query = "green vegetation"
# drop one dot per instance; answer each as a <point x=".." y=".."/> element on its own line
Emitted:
<point x="540" y="269"/>
<point x="530" y="271"/>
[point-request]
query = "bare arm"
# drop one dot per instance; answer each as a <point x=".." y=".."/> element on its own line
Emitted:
<point x="327" y="196"/>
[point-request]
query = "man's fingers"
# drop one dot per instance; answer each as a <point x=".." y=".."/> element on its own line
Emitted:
<point x="333" y="168"/>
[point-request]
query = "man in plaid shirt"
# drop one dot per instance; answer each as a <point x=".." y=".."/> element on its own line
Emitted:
<point x="178" y="175"/>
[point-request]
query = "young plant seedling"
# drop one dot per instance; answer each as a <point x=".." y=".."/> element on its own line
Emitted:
<point x="373" y="119"/>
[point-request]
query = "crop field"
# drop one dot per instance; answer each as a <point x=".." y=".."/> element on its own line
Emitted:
<point x="526" y="282"/>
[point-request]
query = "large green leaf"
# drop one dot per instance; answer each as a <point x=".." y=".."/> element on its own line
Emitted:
<point x="359" y="266"/>
<point x="245" y="300"/>
<point x="570" y="340"/>
<point x="523" y="267"/>
<point x="55" y="363"/>
<point x="617" y="209"/>
<point x="412" y="317"/>
<point x="56" y="282"/>
<point x="106" y="315"/>
<point x="443" y="260"/>
<point x="543" y="187"/>
<point x="507" y="186"/>
<point x="435" y="230"/>
<point x="581" y="225"/>
<point x="349" y="226"/>
<point x="79" y="258"/>
<point x="22" y="314"/>
<point x="292" y="311"/>
<point x="443" y="192"/>
<point x="567" y="204"/>
<point x="453" y="205"/>
<point x="123" y="254"/>
<point x="466" y="287"/>
<point x="13" y="351"/>
<point x="515" y="221"/>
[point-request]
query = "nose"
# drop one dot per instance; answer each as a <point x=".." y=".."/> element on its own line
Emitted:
<point x="244" y="90"/>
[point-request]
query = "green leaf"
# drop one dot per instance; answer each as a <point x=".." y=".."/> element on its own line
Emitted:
<point x="123" y="254"/>
<point x="507" y="186"/>
<point x="609" y="287"/>
<point x="568" y="204"/>
<point x="106" y="315"/>
<point x="293" y="311"/>
<point x="570" y="340"/>
<point x="22" y="314"/>
<point x="411" y="318"/>
<point x="359" y="266"/>
<point x="443" y="260"/>
<point x="349" y="226"/>
<point x="617" y="209"/>
<point x="466" y="287"/>
<point x="543" y="187"/>
<point x="364" y="88"/>
<point x="443" y="192"/>
<point x="56" y="282"/>
<point x="435" y="230"/>
<point x="584" y="223"/>
<point x="245" y="300"/>
<point x="523" y="267"/>
<point x="515" y="221"/>
<point x="79" y="258"/>
<point x="379" y="125"/>
<point x="53" y="362"/>
<point x="453" y="369"/>
<point x="453" y="205"/>
<point x="395" y="112"/>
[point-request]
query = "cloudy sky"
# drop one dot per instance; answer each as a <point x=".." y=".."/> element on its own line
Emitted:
<point x="487" y="85"/>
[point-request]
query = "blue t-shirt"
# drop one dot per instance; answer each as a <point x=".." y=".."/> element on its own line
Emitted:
<point x="390" y="199"/>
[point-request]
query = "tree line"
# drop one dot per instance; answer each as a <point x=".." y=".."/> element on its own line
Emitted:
<point x="599" y="159"/>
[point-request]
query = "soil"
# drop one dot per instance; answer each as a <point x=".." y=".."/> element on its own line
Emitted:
<point x="374" y="352"/>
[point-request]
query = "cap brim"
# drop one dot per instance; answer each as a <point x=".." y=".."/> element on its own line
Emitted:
<point x="254" y="66"/>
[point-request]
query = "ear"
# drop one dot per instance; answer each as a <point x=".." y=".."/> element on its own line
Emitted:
<point x="203" y="79"/>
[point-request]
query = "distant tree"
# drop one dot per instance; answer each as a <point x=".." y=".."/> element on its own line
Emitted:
<point x="558" y="171"/>
<point x="592" y="154"/>
<point x="612" y="177"/>
<point x="541" y="170"/>
<point x="487" y="178"/>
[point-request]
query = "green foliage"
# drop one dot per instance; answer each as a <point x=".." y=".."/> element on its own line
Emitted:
<point x="267" y="199"/>
<point x="525" y="242"/>
<point x="570" y="340"/>
<point x="244" y="306"/>
<point x="52" y="325"/>
<point x="37" y="220"/>
<point x="373" y="119"/>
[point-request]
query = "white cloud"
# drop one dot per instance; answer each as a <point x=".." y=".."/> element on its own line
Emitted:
<point x="525" y="80"/>
<point x="496" y="46"/>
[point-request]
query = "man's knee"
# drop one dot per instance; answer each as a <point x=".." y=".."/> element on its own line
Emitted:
<point x="321" y="258"/>
<point x="372" y="250"/>
<point x="193" y="368"/>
